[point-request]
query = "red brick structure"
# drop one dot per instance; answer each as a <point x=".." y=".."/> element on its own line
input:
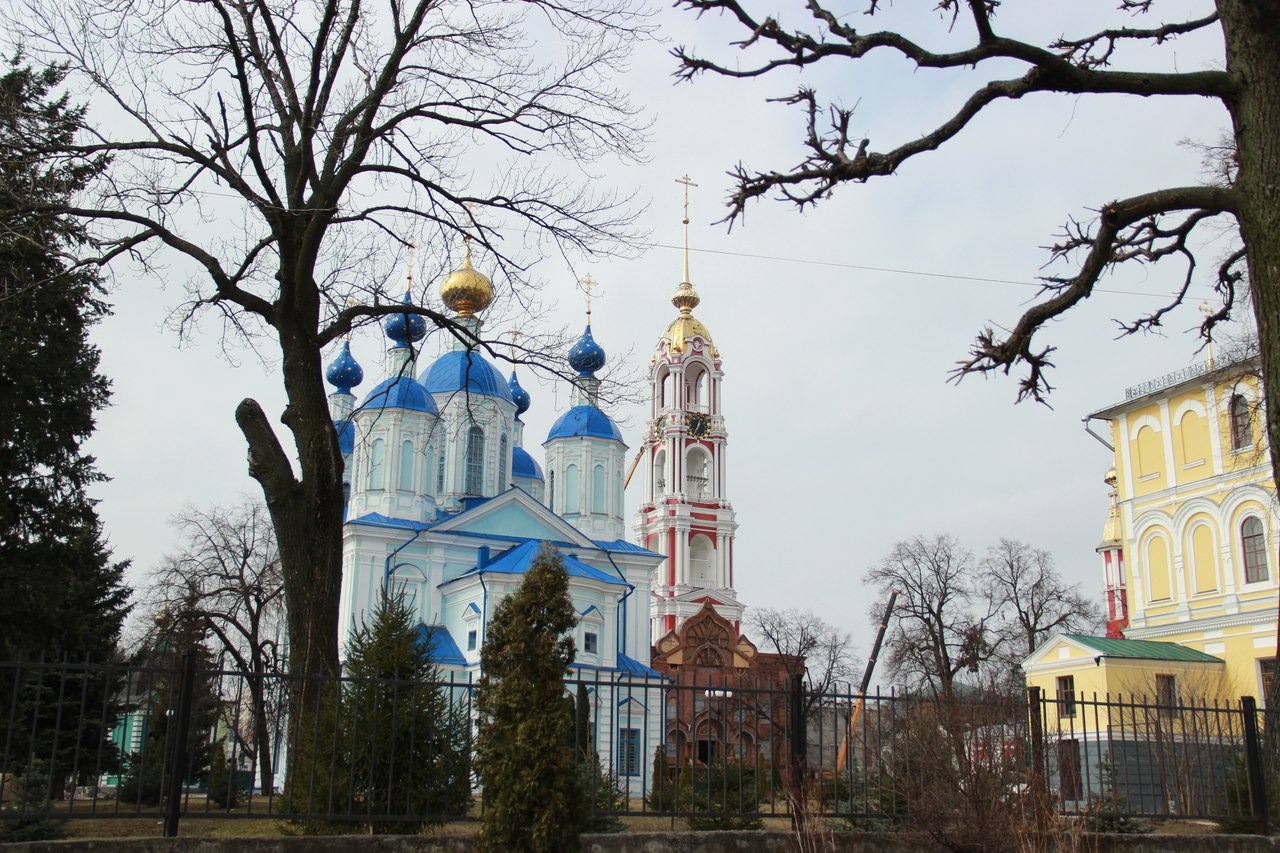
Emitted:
<point x="730" y="698"/>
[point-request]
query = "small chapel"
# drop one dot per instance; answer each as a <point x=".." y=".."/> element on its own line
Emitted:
<point x="446" y="507"/>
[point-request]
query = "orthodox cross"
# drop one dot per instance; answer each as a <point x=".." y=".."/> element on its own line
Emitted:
<point x="591" y="288"/>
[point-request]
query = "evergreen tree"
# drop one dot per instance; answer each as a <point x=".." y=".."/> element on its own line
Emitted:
<point x="526" y="758"/>
<point x="64" y="598"/>
<point x="29" y="799"/>
<point x="409" y="741"/>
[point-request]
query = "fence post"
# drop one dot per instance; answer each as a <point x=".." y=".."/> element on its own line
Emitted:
<point x="1253" y="763"/>
<point x="178" y="751"/>
<point x="1039" y="776"/>
<point x="799" y="737"/>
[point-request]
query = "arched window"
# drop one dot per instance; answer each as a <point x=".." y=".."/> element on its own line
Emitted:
<point x="696" y="474"/>
<point x="659" y="473"/>
<point x="377" y="458"/>
<point x="503" y="455"/>
<point x="1241" y="423"/>
<point x="696" y="388"/>
<point x="475" y="461"/>
<point x="700" y="553"/>
<point x="551" y="490"/>
<point x="598" y="497"/>
<point x="1253" y="542"/>
<point x="571" y="489"/>
<point x="440" y="472"/>
<point x="346" y="492"/>
<point x="406" y="466"/>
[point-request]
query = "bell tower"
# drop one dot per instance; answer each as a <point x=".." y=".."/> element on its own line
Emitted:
<point x="685" y="512"/>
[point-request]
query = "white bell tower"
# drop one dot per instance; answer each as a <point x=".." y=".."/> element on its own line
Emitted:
<point x="685" y="512"/>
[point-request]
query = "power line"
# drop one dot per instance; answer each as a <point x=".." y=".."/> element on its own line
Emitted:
<point x="893" y="270"/>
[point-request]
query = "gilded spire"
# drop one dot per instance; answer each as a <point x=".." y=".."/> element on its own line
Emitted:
<point x="686" y="298"/>
<point x="685" y="221"/>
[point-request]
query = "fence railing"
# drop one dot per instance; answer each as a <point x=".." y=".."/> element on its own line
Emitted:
<point x="175" y="742"/>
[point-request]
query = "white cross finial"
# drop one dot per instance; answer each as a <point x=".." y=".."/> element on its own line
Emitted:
<point x="516" y="335"/>
<point x="591" y="289"/>
<point x="687" y="182"/>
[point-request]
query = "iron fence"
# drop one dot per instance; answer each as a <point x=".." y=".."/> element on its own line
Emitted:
<point x="84" y="740"/>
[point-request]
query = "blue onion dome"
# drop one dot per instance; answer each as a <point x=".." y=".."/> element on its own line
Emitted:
<point x="400" y="392"/>
<point x="463" y="370"/>
<point x="519" y="396"/>
<point x="523" y="465"/>
<point x="344" y="373"/>
<point x="585" y="421"/>
<point x="406" y="328"/>
<point x="587" y="356"/>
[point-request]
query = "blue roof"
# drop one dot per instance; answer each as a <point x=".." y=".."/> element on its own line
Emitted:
<point x="465" y="371"/>
<point x="523" y="465"/>
<point x="377" y="519"/>
<point x="623" y="545"/>
<point x="584" y="420"/>
<point x="519" y="396"/>
<point x="517" y="561"/>
<point x="587" y="356"/>
<point x="440" y="645"/>
<point x="346" y="435"/>
<point x="403" y="328"/>
<point x="634" y="667"/>
<point x="400" y="392"/>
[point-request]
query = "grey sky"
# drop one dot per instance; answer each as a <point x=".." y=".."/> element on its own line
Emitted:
<point x="844" y="435"/>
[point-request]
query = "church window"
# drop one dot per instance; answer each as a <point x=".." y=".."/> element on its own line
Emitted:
<point x="475" y="461"/>
<point x="551" y="489"/>
<point x="504" y="453"/>
<point x="659" y="473"/>
<point x="598" y="496"/>
<point x="629" y="752"/>
<point x="1253" y="541"/>
<point x="1066" y="696"/>
<point x="346" y="492"/>
<point x="471" y="640"/>
<point x="377" y="458"/>
<point x="590" y="643"/>
<point x="1166" y="693"/>
<point x="406" y="466"/>
<point x="696" y="481"/>
<point x="696" y="381"/>
<point x="700" y="553"/>
<point x="440" y="472"/>
<point x="571" y="489"/>
<point x="407" y="590"/>
<point x="1241" y="423"/>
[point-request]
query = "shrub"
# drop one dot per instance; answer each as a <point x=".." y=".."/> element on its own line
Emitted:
<point x="30" y="798"/>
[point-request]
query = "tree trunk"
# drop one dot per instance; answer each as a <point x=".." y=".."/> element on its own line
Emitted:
<point x="1252" y="32"/>
<point x="306" y="511"/>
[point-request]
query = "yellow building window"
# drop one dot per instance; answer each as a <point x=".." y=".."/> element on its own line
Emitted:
<point x="1241" y="423"/>
<point x="1066" y="696"/>
<point x="1166" y="693"/>
<point x="1253" y="542"/>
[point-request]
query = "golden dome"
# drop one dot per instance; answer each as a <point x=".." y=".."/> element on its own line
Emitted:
<point x="686" y="325"/>
<point x="465" y="290"/>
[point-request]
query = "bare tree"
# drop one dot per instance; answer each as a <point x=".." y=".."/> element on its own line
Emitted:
<point x="287" y="151"/>
<point x="821" y="652"/>
<point x="225" y="575"/>
<point x="940" y="627"/>
<point x="1036" y="601"/>
<point x="1145" y="228"/>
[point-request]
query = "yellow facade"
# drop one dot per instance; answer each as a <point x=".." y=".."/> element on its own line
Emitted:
<point x="1198" y="529"/>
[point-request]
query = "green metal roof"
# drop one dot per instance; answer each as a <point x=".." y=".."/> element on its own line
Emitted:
<point x="1141" y="649"/>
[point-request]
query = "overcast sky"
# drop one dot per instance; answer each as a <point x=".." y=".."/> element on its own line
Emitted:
<point x="837" y="328"/>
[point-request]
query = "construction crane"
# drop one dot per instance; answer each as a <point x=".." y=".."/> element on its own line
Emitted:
<point x="866" y="681"/>
<point x="632" y="469"/>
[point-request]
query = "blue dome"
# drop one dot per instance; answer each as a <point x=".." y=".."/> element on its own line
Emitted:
<point x="343" y="372"/>
<point x="522" y="465"/>
<point x="346" y="436"/>
<point x="404" y="328"/>
<point x="587" y="356"/>
<point x="469" y="371"/>
<point x="400" y="392"/>
<point x="519" y="396"/>
<point x="584" y="420"/>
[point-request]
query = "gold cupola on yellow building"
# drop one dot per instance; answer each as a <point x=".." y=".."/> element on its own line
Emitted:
<point x="466" y="291"/>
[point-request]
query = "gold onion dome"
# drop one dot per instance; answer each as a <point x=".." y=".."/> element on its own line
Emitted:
<point x="466" y="291"/>
<point x="686" y="325"/>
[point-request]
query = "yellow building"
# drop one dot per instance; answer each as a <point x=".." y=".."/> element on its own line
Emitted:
<point x="1189" y="553"/>
<point x="1190" y="548"/>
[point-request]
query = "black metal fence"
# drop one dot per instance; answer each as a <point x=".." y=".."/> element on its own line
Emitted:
<point x="85" y="740"/>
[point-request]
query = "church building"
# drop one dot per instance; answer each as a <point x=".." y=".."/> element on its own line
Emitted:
<point x="446" y="507"/>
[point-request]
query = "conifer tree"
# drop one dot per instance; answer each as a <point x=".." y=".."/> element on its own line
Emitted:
<point x="409" y="754"/>
<point x="64" y="597"/>
<point x="526" y="755"/>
